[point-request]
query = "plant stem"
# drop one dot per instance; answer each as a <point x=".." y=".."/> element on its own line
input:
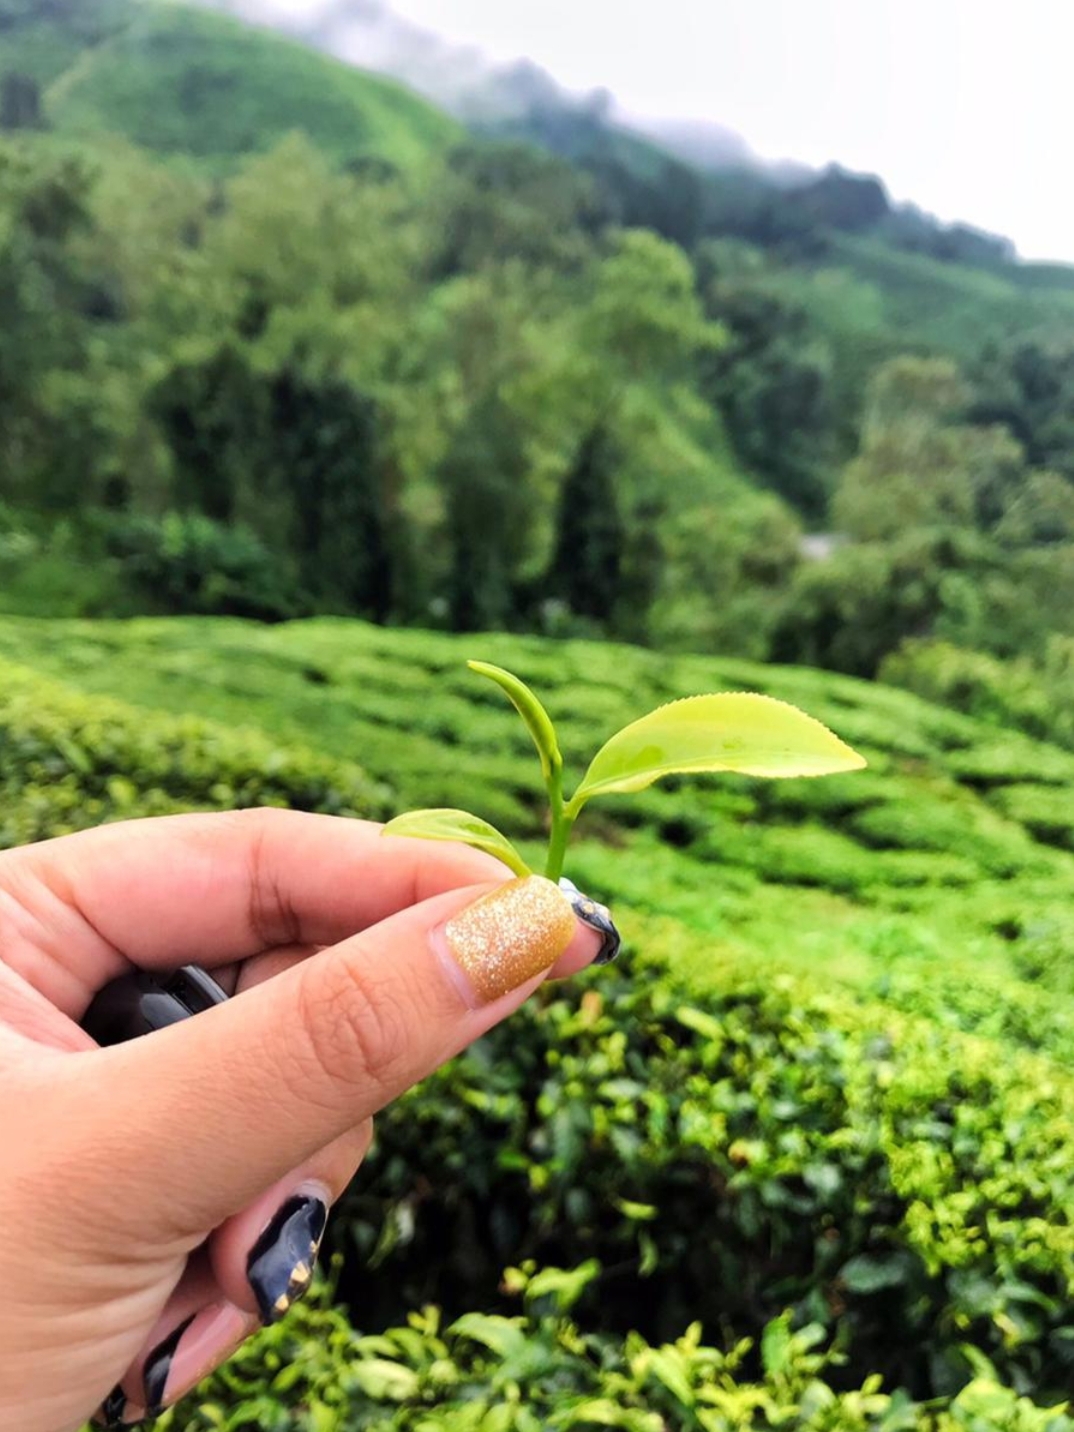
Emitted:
<point x="561" y="826"/>
<point x="557" y="847"/>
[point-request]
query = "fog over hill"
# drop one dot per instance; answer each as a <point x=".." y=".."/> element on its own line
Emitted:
<point x="464" y="81"/>
<point x="522" y="99"/>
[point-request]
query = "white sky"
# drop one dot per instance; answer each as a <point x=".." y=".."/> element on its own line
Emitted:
<point x="965" y="107"/>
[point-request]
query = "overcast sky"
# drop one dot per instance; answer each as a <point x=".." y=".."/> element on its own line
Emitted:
<point x="965" y="107"/>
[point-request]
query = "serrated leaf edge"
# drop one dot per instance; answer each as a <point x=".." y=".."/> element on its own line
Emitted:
<point x="757" y="696"/>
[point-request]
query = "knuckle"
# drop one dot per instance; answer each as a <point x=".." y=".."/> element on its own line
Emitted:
<point x="355" y="1027"/>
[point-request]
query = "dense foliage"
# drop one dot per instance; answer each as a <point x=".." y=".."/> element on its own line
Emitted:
<point x="538" y="1369"/>
<point x="831" y="1082"/>
<point x="263" y="358"/>
<point x="278" y="339"/>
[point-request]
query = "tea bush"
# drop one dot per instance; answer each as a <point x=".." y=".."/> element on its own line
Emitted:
<point x="1047" y="812"/>
<point x="907" y="1189"/>
<point x="68" y="761"/>
<point x="829" y="1083"/>
<point x="1034" y="697"/>
<point x="539" y="1369"/>
<point x="185" y="562"/>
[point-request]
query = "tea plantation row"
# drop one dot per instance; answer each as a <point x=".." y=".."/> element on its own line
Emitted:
<point x="808" y="1147"/>
<point x="932" y="881"/>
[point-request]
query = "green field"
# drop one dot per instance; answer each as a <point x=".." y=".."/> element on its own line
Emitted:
<point x="839" y="1042"/>
<point x="189" y="83"/>
<point x="875" y="300"/>
<point x="933" y="880"/>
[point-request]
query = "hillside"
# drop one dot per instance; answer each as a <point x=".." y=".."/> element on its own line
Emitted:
<point x="938" y="880"/>
<point x="864" y="290"/>
<point x="831" y="1074"/>
<point x="276" y="374"/>
<point x="692" y="179"/>
<point x="200" y="84"/>
<point x="43" y="40"/>
<point x="191" y="83"/>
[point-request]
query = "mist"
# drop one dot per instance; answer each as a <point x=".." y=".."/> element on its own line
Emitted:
<point x="464" y="81"/>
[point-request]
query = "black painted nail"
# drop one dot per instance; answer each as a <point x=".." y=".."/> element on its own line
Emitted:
<point x="157" y="1367"/>
<point x="110" y="1413"/>
<point x="280" y="1266"/>
<point x="597" y="918"/>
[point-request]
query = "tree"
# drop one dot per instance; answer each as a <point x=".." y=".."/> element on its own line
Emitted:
<point x="1041" y="513"/>
<point x="645" y="317"/>
<point x="324" y="436"/>
<point x="841" y="200"/>
<point x="852" y="609"/>
<point x="212" y="413"/>
<point x="488" y="505"/>
<point x="500" y="201"/>
<point x="586" y="569"/>
<point x="48" y="451"/>
<point x="773" y="385"/>
<point x="919" y="465"/>
<point x="20" y="102"/>
<point x="1028" y="386"/>
<point x="671" y="201"/>
<point x="726" y="569"/>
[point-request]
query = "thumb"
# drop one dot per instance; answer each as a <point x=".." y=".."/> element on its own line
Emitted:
<point x="204" y="1115"/>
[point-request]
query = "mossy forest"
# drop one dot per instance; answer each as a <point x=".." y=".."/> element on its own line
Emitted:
<point x="308" y="394"/>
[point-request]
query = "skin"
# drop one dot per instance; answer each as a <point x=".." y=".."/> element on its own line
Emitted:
<point x="134" y="1180"/>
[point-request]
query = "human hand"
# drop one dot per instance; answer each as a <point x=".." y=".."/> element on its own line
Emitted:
<point x="161" y="1198"/>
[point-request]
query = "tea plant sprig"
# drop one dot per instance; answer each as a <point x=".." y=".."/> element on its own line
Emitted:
<point x="733" y="731"/>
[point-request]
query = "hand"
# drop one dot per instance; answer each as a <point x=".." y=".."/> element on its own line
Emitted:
<point x="161" y="1198"/>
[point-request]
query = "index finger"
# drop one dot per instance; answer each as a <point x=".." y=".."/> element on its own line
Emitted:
<point x="215" y="888"/>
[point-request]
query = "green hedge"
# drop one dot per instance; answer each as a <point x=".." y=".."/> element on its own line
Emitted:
<point x="69" y="761"/>
<point x="726" y="1156"/>
<point x="1032" y="696"/>
<point x="907" y="1188"/>
<point x="536" y="1370"/>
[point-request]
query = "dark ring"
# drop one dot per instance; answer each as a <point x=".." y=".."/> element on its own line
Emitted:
<point x="597" y="917"/>
<point x="139" y="1002"/>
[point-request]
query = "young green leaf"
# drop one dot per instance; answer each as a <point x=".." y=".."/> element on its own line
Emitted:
<point x="538" y="722"/>
<point x="458" y="825"/>
<point x="753" y="735"/>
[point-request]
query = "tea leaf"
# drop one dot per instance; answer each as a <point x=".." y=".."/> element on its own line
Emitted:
<point x="736" y="731"/>
<point x="537" y="719"/>
<point x="458" y="825"/>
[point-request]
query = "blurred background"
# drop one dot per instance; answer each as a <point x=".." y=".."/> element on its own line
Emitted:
<point x="673" y="349"/>
<point x="646" y="350"/>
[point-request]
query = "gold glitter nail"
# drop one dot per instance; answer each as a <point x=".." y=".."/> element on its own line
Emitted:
<point x="510" y="935"/>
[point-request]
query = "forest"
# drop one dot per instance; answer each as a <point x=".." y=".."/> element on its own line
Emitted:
<point x="351" y="360"/>
<point x="308" y="394"/>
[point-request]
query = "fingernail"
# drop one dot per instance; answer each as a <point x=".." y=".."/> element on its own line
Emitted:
<point x="192" y="1351"/>
<point x="597" y="917"/>
<point x="112" y="1412"/>
<point x="510" y="935"/>
<point x="158" y="1366"/>
<point x="280" y="1265"/>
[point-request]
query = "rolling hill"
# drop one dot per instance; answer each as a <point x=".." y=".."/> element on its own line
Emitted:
<point x="198" y="85"/>
<point x="831" y="1073"/>
<point x="194" y="84"/>
<point x="955" y="842"/>
<point x="865" y="290"/>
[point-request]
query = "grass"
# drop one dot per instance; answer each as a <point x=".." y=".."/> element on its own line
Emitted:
<point x="195" y="84"/>
<point x="937" y="882"/>
<point x="881" y="301"/>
